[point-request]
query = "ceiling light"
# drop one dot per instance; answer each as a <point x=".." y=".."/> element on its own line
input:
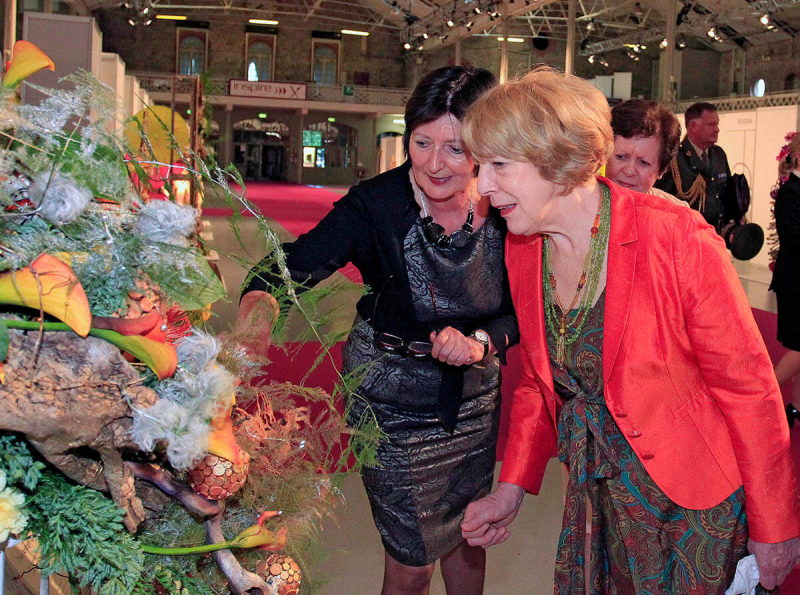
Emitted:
<point x="591" y="59"/>
<point x="425" y="35"/>
<point x="643" y="46"/>
<point x="712" y="32"/>
<point x="407" y="45"/>
<point x="399" y="121"/>
<point x="263" y="115"/>
<point x="420" y="47"/>
<point x="603" y="62"/>
<point x="171" y="17"/>
<point x="147" y="22"/>
<point x="262" y="22"/>
<point x="145" y="10"/>
<point x="590" y="26"/>
<point x="450" y="22"/>
<point x="681" y="42"/>
<point x="468" y="25"/>
<point x="765" y="20"/>
<point x="131" y="22"/>
<point x="354" y="32"/>
<point x="664" y="43"/>
<point x="516" y="40"/>
<point x="477" y="10"/>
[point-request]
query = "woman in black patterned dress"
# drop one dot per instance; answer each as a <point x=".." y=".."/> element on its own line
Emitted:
<point x="438" y="313"/>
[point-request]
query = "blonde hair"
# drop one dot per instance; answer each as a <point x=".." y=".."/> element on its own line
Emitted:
<point x="790" y="162"/>
<point x="560" y="123"/>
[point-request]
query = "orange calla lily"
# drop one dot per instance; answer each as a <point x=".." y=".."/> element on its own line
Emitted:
<point x="51" y="285"/>
<point x="257" y="536"/>
<point x="128" y="326"/>
<point x="221" y="441"/>
<point x="26" y="59"/>
<point x="160" y="357"/>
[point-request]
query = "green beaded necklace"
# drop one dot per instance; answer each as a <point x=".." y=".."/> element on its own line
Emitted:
<point x="592" y="265"/>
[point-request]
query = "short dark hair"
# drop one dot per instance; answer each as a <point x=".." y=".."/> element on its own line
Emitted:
<point x="448" y="90"/>
<point x="695" y="111"/>
<point x="646" y="118"/>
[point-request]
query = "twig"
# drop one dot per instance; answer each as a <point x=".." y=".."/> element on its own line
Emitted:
<point x="240" y="581"/>
<point x="164" y="480"/>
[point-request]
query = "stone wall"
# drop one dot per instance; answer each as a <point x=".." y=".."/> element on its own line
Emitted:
<point x="152" y="49"/>
<point x="775" y="63"/>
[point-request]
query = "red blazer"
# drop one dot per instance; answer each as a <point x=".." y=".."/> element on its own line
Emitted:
<point x="687" y="377"/>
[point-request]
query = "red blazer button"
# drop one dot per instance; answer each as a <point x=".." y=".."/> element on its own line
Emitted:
<point x="634" y="434"/>
<point x="648" y="455"/>
<point x="621" y="414"/>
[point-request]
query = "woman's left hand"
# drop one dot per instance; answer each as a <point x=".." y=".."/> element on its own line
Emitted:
<point x="452" y="347"/>
<point x="775" y="560"/>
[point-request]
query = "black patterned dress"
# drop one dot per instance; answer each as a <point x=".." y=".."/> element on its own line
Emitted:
<point x="641" y="542"/>
<point x="426" y="475"/>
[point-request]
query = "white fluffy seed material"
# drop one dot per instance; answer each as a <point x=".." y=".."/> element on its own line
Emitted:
<point x="167" y="222"/>
<point x="58" y="197"/>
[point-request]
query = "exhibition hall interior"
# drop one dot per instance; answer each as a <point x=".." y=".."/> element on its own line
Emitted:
<point x="260" y="115"/>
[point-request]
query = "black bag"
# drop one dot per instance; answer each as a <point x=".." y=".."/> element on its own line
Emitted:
<point x="736" y="198"/>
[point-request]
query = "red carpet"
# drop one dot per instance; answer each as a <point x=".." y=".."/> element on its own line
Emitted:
<point x="297" y="208"/>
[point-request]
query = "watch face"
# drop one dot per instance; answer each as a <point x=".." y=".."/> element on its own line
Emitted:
<point x="481" y="336"/>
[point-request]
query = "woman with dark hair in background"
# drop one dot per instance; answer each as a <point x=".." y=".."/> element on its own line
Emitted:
<point x="439" y="311"/>
<point x="646" y="139"/>
<point x="786" y="276"/>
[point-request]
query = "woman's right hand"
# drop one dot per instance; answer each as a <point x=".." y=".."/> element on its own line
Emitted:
<point x="486" y="520"/>
<point x="258" y="311"/>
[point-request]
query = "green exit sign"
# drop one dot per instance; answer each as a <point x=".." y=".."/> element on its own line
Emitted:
<point x="347" y="90"/>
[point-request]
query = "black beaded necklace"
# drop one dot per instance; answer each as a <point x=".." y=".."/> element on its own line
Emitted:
<point x="434" y="232"/>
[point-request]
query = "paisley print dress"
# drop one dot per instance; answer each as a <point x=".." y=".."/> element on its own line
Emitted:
<point x="426" y="476"/>
<point x="641" y="542"/>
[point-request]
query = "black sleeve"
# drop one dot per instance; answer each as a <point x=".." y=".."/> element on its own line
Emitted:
<point x="787" y="217"/>
<point x="341" y="237"/>
<point x="504" y="330"/>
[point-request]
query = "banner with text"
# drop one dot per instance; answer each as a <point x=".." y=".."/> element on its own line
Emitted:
<point x="266" y="89"/>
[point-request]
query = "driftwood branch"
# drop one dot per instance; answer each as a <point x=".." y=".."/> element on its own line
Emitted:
<point x="240" y="581"/>
<point x="164" y="480"/>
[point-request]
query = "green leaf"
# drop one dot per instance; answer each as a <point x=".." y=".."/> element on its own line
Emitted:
<point x="3" y="341"/>
<point x="186" y="277"/>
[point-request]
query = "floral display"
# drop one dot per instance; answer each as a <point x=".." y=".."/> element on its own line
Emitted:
<point x="132" y="440"/>
<point x="12" y="515"/>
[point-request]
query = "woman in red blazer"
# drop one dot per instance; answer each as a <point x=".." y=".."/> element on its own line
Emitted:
<point x="643" y="367"/>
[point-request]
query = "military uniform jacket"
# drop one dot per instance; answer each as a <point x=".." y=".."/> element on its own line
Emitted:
<point x="689" y="167"/>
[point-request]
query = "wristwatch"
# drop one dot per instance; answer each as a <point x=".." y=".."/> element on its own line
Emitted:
<point x="481" y="337"/>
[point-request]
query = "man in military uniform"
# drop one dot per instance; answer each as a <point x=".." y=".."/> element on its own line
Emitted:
<point x="700" y="172"/>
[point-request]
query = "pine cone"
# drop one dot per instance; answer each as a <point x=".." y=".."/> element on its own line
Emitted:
<point x="216" y="478"/>
<point x="280" y="571"/>
<point x="141" y="301"/>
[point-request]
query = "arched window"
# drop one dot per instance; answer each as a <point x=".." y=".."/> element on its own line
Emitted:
<point x="192" y="54"/>
<point x="326" y="64"/>
<point x="259" y="61"/>
<point x="758" y="88"/>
